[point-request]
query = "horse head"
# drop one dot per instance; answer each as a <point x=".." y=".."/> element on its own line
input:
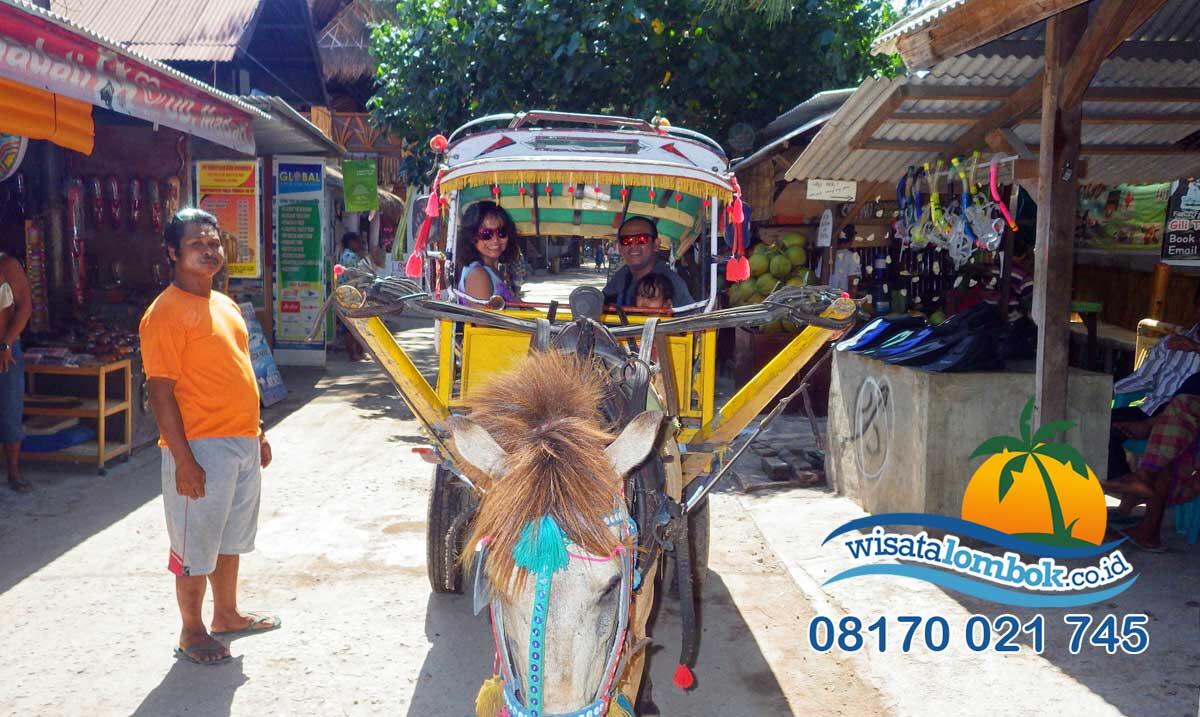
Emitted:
<point x="553" y="526"/>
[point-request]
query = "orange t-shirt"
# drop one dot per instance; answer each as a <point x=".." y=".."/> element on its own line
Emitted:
<point x="203" y="345"/>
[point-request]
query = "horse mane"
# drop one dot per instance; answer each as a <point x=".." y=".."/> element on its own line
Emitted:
<point x="545" y="413"/>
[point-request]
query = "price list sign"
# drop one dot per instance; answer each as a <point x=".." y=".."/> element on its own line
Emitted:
<point x="1181" y="240"/>
<point x="230" y="191"/>
<point x="300" y="270"/>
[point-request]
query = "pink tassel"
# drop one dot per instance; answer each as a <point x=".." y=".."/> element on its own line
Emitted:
<point x="684" y="678"/>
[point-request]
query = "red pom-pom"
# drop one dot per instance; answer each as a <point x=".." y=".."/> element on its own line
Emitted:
<point x="521" y="189"/>
<point x="652" y="194"/>
<point x="707" y="204"/>
<point x="549" y="190"/>
<point x="438" y="143"/>
<point x="624" y="193"/>
<point x="679" y="197"/>
<point x="570" y="190"/>
<point x="683" y="678"/>
<point x="495" y="190"/>
<point x="338" y="270"/>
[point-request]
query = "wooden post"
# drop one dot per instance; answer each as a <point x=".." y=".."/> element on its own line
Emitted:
<point x="1057" y="197"/>
<point x="1158" y="294"/>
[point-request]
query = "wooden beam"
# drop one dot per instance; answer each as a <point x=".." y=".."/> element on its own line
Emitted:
<point x="967" y="26"/>
<point x="1114" y="21"/>
<point x="1057" y="200"/>
<point x="878" y="117"/>
<point x="1094" y="94"/>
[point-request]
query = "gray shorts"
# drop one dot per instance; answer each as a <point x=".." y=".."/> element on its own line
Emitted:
<point x="225" y="520"/>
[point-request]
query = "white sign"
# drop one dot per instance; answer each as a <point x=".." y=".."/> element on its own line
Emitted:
<point x="825" y="231"/>
<point x="832" y="190"/>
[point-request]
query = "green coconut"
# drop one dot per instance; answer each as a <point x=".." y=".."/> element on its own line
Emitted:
<point x="759" y="264"/>
<point x="781" y="268"/>
<point x="937" y="317"/>
<point x="804" y="274"/>
<point x="797" y="256"/>
<point x="755" y="298"/>
<point x="792" y="239"/>
<point x="765" y="284"/>
<point x="796" y="281"/>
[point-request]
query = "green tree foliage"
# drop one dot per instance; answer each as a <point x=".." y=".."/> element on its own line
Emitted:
<point x="704" y="67"/>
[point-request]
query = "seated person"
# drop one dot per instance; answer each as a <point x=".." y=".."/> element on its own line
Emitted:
<point x="1166" y="474"/>
<point x="488" y="253"/>
<point x="654" y="291"/>
<point x="1171" y="368"/>
<point x="637" y="240"/>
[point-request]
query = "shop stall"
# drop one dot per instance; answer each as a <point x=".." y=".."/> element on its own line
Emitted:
<point x="910" y="402"/>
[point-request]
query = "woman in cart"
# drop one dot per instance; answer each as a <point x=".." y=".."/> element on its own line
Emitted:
<point x="489" y="255"/>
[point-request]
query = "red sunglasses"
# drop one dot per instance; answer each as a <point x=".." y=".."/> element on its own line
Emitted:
<point x="630" y="239"/>
<point x="489" y="234"/>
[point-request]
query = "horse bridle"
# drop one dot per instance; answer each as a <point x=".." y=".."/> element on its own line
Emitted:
<point x="526" y="699"/>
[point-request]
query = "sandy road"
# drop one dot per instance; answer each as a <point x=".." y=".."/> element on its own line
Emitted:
<point x="89" y="619"/>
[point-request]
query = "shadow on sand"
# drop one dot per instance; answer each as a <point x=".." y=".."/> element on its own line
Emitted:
<point x="734" y="677"/>
<point x="189" y="689"/>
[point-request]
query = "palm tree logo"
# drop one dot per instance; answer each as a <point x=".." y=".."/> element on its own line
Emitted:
<point x="1037" y="446"/>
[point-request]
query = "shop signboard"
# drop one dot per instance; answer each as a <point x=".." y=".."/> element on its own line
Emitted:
<point x="299" y="260"/>
<point x="831" y="190"/>
<point x="230" y="191"/>
<point x="1121" y="216"/>
<point x="40" y="53"/>
<point x="1181" y="240"/>
<point x="270" y="382"/>
<point x="360" y="185"/>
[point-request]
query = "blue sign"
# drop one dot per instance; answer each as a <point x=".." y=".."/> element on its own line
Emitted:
<point x="299" y="178"/>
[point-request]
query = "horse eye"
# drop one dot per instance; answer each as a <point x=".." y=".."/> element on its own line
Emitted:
<point x="611" y="589"/>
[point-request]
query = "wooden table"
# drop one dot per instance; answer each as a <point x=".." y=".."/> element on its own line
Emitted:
<point x="98" y="408"/>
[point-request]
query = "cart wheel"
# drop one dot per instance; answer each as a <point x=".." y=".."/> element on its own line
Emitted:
<point x="698" y="537"/>
<point x="446" y="531"/>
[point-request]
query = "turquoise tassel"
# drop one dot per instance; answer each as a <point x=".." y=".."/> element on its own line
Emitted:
<point x="542" y="548"/>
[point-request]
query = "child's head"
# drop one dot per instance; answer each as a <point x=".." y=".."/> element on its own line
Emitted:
<point x="653" y="291"/>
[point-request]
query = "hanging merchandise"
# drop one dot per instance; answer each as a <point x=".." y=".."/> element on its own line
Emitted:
<point x="75" y="221"/>
<point x="12" y="152"/>
<point x="35" y="270"/>
<point x="95" y="195"/>
<point x="171" y="199"/>
<point x="992" y="171"/>
<point x="154" y="202"/>
<point x="112" y="195"/>
<point x="135" y="203"/>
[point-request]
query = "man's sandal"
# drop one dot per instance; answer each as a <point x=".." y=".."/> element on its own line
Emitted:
<point x="258" y="624"/>
<point x="195" y="654"/>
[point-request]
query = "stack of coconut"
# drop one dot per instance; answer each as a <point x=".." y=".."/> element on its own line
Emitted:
<point x="773" y="264"/>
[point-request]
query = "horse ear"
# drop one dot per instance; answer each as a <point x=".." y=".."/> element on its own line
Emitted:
<point x="477" y="446"/>
<point x="635" y="442"/>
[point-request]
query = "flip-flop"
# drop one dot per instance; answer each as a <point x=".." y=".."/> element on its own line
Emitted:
<point x="189" y="654"/>
<point x="1147" y="548"/>
<point x="258" y="624"/>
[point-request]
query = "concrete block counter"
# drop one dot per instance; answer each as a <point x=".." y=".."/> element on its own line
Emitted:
<point x="900" y="438"/>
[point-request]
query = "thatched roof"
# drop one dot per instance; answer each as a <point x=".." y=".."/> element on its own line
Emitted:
<point x="344" y="43"/>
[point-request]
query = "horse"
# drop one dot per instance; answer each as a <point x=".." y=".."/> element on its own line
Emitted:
<point x="552" y="542"/>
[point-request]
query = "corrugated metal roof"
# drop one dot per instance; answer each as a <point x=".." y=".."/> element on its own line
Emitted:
<point x="175" y="30"/>
<point x="114" y="46"/>
<point x="286" y="131"/>
<point x="1177" y="21"/>
<point x="829" y="155"/>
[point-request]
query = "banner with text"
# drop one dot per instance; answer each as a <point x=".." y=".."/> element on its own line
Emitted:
<point x="299" y="259"/>
<point x="1181" y="242"/>
<point x="230" y="191"/>
<point x="360" y="184"/>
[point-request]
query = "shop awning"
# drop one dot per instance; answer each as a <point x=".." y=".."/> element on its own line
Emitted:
<point x="45" y="51"/>
<point x="38" y="114"/>
<point x="286" y="131"/>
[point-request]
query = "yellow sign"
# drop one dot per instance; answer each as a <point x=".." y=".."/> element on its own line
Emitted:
<point x="229" y="190"/>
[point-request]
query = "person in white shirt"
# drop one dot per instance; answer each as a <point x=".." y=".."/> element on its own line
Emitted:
<point x="1172" y="367"/>
<point x="847" y="265"/>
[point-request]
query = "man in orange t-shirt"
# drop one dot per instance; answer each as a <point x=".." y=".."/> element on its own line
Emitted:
<point x="195" y="349"/>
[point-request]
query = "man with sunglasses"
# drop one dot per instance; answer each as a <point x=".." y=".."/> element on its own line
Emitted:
<point x="637" y="242"/>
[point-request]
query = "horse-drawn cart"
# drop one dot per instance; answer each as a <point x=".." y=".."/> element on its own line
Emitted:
<point x="580" y="176"/>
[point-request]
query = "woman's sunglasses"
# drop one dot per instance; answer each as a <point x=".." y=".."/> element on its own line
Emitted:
<point x="630" y="239"/>
<point x="489" y="234"/>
